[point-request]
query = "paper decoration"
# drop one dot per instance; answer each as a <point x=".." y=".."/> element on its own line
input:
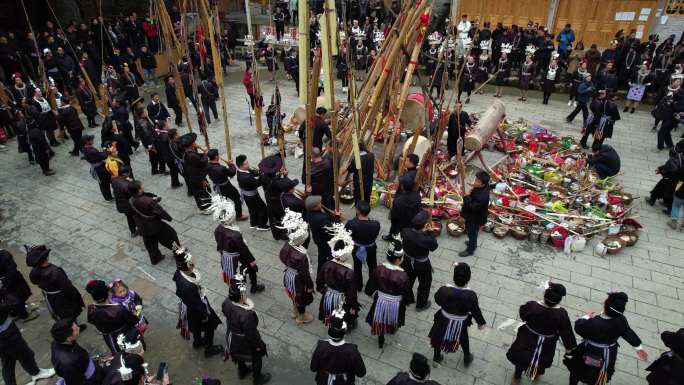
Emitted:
<point x="663" y="19"/>
<point x="624" y="16"/>
<point x="645" y="11"/>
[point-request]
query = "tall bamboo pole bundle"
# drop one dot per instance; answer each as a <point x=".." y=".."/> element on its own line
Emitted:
<point x="258" y="108"/>
<point x="218" y="70"/>
<point x="303" y="33"/>
<point x="329" y="22"/>
<point x="173" y="52"/>
<point x="311" y="114"/>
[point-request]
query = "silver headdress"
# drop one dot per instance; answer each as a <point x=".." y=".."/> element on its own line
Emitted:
<point x="340" y="234"/>
<point x="506" y="48"/>
<point x="435" y="38"/>
<point x="297" y="228"/>
<point x="467" y="44"/>
<point x="182" y="256"/>
<point x="555" y="55"/>
<point x="129" y="346"/>
<point x="530" y="50"/>
<point x="223" y="209"/>
<point x="486" y="45"/>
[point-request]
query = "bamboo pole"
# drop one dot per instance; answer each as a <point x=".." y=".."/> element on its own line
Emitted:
<point x="326" y="56"/>
<point x="330" y="96"/>
<point x="218" y="70"/>
<point x="303" y="16"/>
<point x="258" y="108"/>
<point x="311" y="114"/>
<point x="173" y="51"/>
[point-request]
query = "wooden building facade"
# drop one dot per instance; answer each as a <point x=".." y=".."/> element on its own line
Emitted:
<point x="594" y="21"/>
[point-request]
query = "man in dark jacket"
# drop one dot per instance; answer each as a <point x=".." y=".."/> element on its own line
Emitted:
<point x="458" y="122"/>
<point x="67" y="116"/>
<point x="322" y="181"/>
<point x="148" y="63"/>
<point x="405" y="206"/>
<point x="418" y="244"/>
<point x="172" y="100"/>
<point x="149" y="218"/>
<point x="195" y="165"/>
<point x="367" y="169"/>
<point x="208" y="94"/>
<point x="41" y="148"/>
<point x="220" y="176"/>
<point x="318" y="222"/>
<point x="156" y="109"/>
<point x="605" y="160"/>
<point x="474" y="211"/>
<point x="584" y="93"/>
<point x="120" y="185"/>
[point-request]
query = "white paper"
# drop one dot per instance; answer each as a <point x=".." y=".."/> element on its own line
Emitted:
<point x="629" y="16"/>
<point x="643" y="17"/>
<point x="639" y="32"/>
<point x="645" y="11"/>
<point x="663" y="19"/>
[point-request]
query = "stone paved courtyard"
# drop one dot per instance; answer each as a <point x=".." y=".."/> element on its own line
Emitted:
<point x="89" y="239"/>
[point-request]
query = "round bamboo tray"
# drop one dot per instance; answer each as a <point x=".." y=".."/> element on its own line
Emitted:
<point x="630" y="238"/>
<point x="500" y="232"/>
<point x="520" y="232"/>
<point x="455" y="227"/>
<point x="613" y="244"/>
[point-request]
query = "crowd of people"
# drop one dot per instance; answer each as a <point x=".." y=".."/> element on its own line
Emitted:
<point x="40" y="114"/>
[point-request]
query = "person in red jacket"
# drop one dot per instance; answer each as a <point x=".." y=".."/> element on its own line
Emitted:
<point x="248" y="82"/>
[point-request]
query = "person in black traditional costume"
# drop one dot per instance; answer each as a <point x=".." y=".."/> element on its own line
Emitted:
<point x="417" y="245"/>
<point x="459" y="305"/>
<point x="110" y="319"/>
<point x="389" y="285"/>
<point x="605" y="113"/>
<point x="668" y="369"/>
<point x="61" y="297"/>
<point x="297" y="280"/>
<point x="151" y="221"/>
<point x="98" y="171"/>
<point x="14" y="348"/>
<point x="468" y="78"/>
<point x="502" y="70"/>
<point x="418" y="374"/>
<point x="335" y="361"/>
<point x="527" y="71"/>
<point x="231" y="245"/>
<point x="367" y="170"/>
<point x="128" y="366"/>
<point x="534" y="347"/>
<point x="220" y="176"/>
<point x="318" y="221"/>
<point x="14" y="291"/>
<point x="195" y="314"/>
<point x="364" y="232"/>
<point x="72" y="363"/>
<point x="593" y="361"/>
<point x="551" y="77"/>
<point x="335" y="280"/>
<point x="120" y="186"/>
<point x="459" y="120"/>
<point x="195" y="167"/>
<point x="405" y="206"/>
<point x="243" y="340"/>
<point x="274" y="175"/>
<point x="249" y="182"/>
